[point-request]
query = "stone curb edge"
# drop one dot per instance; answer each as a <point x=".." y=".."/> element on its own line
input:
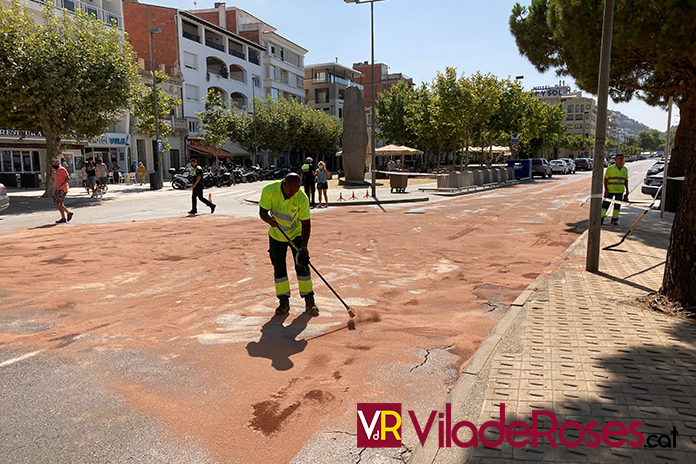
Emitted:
<point x="462" y="388"/>
<point x="362" y="202"/>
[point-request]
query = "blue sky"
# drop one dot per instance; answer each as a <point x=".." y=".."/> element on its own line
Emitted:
<point x="415" y="37"/>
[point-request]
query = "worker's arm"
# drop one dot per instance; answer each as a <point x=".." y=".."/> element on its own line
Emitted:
<point x="606" y="187"/>
<point x="306" y="232"/>
<point x="267" y="218"/>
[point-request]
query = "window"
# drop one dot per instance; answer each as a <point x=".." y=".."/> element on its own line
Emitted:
<point x="192" y="93"/>
<point x="578" y="117"/>
<point x="6" y="161"/>
<point x="140" y="151"/>
<point x="322" y="96"/>
<point x="570" y="109"/>
<point x="274" y="94"/>
<point x="193" y="126"/>
<point x="570" y="117"/>
<point x="174" y="158"/>
<point x="587" y="126"/>
<point x="587" y="116"/>
<point x="300" y="82"/>
<point x="271" y="50"/>
<point x="577" y="108"/>
<point x="272" y="72"/>
<point x="190" y="60"/>
<point x="256" y="81"/>
<point x="582" y="108"/>
<point x="69" y="5"/>
<point x="340" y="113"/>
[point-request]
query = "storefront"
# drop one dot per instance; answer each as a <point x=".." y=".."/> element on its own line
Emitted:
<point x="111" y="147"/>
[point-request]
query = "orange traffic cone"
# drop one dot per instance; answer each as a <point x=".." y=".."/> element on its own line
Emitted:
<point x="210" y="197"/>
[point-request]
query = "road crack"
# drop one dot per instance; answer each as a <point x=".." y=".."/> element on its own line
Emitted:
<point x="427" y="355"/>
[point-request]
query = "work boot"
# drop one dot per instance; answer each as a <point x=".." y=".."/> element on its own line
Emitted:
<point x="283" y="308"/>
<point x="311" y="306"/>
<point x="614" y="222"/>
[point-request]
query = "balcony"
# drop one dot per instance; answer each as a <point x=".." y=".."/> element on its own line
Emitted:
<point x="191" y="36"/>
<point x="212" y="44"/>
<point x="254" y="60"/>
<point x="105" y="16"/>
<point x="236" y="53"/>
<point x="331" y="79"/>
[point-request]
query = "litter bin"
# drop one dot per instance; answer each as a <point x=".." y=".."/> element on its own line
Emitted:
<point x="523" y="168"/>
<point x="398" y="182"/>
<point x="155" y="183"/>
<point x="30" y="180"/>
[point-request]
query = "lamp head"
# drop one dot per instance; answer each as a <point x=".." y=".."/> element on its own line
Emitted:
<point x="155" y="31"/>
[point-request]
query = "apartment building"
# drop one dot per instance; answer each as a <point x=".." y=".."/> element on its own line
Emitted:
<point x="282" y="60"/>
<point x="325" y="86"/>
<point x="384" y="80"/>
<point x="202" y="57"/>
<point x="22" y="152"/>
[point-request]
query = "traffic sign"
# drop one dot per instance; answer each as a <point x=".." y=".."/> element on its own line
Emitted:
<point x="514" y="146"/>
<point x="514" y="138"/>
<point x="582" y="148"/>
<point x="160" y="146"/>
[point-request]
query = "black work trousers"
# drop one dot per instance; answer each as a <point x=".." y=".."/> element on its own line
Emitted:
<point x="197" y="193"/>
<point x="310" y="189"/>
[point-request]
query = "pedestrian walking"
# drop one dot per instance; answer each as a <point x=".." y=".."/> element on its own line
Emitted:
<point x="616" y="187"/>
<point x="102" y="172"/>
<point x="116" y="172"/>
<point x="133" y="167"/>
<point x="283" y="206"/>
<point x="61" y="177"/>
<point x="309" y="175"/>
<point x="197" y="193"/>
<point x="488" y="162"/>
<point x="83" y="175"/>
<point x="322" y="184"/>
<point x="141" y="172"/>
<point x="91" y="177"/>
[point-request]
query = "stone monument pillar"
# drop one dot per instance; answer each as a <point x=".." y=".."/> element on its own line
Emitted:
<point x="354" y="135"/>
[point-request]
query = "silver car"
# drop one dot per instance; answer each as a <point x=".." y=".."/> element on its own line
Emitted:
<point x="4" y="198"/>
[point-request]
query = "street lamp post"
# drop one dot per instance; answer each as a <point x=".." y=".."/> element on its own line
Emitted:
<point x="156" y="160"/>
<point x="372" y="85"/>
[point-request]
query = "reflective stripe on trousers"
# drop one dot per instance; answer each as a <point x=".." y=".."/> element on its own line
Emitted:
<point x="277" y="250"/>
<point x="617" y="207"/>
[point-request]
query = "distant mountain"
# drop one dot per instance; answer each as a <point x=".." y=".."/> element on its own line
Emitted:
<point x="631" y="125"/>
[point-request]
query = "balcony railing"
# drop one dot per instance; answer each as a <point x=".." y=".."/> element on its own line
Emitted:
<point x="192" y="36"/>
<point x="236" y="53"/>
<point x="215" y="45"/>
<point x="253" y="60"/>
<point x="337" y="80"/>
<point x="100" y="14"/>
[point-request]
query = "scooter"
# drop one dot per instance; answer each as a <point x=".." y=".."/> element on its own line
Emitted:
<point x="184" y="180"/>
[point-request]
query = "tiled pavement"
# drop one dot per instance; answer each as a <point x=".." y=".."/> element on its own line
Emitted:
<point x="579" y="349"/>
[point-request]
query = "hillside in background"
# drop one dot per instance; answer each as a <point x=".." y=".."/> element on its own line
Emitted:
<point x="631" y="125"/>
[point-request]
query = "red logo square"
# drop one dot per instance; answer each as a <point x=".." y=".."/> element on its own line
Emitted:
<point x="379" y="425"/>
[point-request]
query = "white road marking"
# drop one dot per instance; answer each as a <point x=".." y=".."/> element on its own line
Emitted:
<point x="9" y="362"/>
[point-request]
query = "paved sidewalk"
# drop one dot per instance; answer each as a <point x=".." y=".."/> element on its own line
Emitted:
<point x="577" y="347"/>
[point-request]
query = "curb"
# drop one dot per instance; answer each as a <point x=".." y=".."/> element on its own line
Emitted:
<point x="470" y="375"/>
<point x="362" y="202"/>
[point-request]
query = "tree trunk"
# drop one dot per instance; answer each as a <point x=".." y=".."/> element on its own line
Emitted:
<point x="682" y="153"/>
<point x="52" y="152"/>
<point x="679" y="281"/>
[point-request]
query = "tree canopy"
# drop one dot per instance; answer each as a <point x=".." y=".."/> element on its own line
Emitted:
<point x="70" y="77"/>
<point x="653" y="58"/>
<point x="143" y="107"/>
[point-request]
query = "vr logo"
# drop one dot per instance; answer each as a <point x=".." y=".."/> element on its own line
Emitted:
<point x="379" y="425"/>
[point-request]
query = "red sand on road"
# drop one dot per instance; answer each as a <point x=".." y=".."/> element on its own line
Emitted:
<point x="196" y="295"/>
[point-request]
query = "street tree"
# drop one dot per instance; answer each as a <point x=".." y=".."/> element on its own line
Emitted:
<point x="68" y="78"/>
<point x="391" y="112"/>
<point x="652" y="66"/>
<point x="143" y="108"/>
<point x="215" y="121"/>
<point x="651" y="140"/>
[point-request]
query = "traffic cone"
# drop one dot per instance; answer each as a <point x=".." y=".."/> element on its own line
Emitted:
<point x="210" y="197"/>
<point x="353" y="197"/>
<point x="367" y="193"/>
<point x="340" y="198"/>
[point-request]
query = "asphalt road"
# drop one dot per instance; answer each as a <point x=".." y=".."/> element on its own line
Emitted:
<point x="68" y="382"/>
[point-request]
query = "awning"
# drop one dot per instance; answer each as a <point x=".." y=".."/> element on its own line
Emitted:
<point x="210" y="151"/>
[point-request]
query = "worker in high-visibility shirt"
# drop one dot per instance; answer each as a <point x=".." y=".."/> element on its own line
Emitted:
<point x="616" y="187"/>
<point x="284" y="206"/>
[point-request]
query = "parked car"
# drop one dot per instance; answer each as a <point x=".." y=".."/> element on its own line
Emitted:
<point x="656" y="168"/>
<point x="571" y="164"/>
<point x="559" y="166"/>
<point x="650" y="185"/>
<point x="4" y="198"/>
<point x="583" y="164"/>
<point x="541" y="167"/>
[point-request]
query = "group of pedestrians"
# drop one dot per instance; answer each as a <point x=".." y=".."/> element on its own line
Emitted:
<point x="95" y="175"/>
<point x="316" y="178"/>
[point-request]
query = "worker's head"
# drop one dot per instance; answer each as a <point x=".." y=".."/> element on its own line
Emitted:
<point x="291" y="184"/>
<point x="309" y="160"/>
<point x="193" y="161"/>
<point x="619" y="160"/>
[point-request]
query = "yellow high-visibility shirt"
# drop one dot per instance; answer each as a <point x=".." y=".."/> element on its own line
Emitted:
<point x="616" y="178"/>
<point x="287" y="212"/>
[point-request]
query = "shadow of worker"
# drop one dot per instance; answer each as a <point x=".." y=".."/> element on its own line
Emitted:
<point x="278" y="342"/>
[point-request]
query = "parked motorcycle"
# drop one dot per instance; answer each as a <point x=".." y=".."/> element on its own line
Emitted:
<point x="183" y="180"/>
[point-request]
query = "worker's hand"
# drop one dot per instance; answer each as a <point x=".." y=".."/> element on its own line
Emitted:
<point x="303" y="257"/>
<point x="273" y="223"/>
<point x="606" y="194"/>
<point x="625" y="198"/>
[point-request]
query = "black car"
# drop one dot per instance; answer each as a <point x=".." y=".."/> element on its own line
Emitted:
<point x="541" y="167"/>
<point x="656" y="168"/>
<point x="583" y="164"/>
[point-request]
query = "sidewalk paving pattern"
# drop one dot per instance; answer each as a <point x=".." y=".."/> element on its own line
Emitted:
<point x="578" y="349"/>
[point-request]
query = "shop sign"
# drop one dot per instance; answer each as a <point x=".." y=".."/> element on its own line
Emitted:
<point x="111" y="139"/>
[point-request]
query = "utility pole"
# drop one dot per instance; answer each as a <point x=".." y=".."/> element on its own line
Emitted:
<point x="597" y="194"/>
